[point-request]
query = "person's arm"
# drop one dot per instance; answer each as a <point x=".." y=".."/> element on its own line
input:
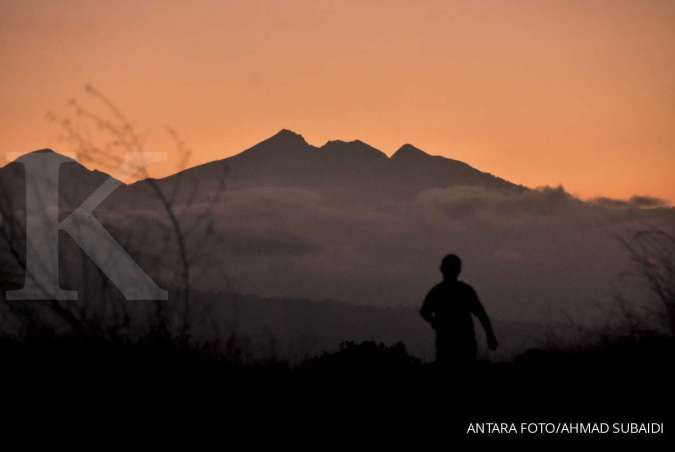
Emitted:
<point x="479" y="311"/>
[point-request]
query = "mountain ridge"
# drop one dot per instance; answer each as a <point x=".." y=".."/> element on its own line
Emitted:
<point x="347" y="170"/>
<point x="352" y="169"/>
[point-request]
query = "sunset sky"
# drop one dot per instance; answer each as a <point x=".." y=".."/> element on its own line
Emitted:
<point x="578" y="93"/>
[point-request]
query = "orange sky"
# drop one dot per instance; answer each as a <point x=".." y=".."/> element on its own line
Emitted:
<point x="580" y="93"/>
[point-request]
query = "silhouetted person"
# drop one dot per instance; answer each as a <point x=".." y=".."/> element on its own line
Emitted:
<point x="448" y="308"/>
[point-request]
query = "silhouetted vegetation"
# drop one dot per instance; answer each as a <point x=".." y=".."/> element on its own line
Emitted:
<point x="366" y="356"/>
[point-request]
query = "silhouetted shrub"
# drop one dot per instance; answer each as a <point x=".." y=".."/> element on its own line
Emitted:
<point x="365" y="356"/>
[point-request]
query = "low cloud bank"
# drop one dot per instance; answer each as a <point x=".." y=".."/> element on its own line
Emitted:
<point x="531" y="255"/>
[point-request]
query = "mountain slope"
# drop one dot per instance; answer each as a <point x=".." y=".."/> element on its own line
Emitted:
<point x="73" y="184"/>
<point x="352" y="170"/>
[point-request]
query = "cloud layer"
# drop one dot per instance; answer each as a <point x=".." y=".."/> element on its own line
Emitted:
<point x="533" y="254"/>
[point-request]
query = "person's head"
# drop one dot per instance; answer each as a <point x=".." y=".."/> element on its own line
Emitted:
<point x="451" y="266"/>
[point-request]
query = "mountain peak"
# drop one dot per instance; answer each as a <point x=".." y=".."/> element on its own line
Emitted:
<point x="46" y="152"/>
<point x="354" y="148"/>
<point x="284" y="143"/>
<point x="287" y="136"/>
<point x="409" y="151"/>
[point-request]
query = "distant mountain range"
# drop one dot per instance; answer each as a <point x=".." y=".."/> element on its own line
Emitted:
<point x="349" y="171"/>
<point x="353" y="170"/>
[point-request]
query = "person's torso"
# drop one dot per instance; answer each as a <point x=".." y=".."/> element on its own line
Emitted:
<point x="453" y="304"/>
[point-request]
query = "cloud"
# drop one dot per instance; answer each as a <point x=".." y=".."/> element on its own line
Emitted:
<point x="528" y="253"/>
<point x="465" y="201"/>
<point x="635" y="202"/>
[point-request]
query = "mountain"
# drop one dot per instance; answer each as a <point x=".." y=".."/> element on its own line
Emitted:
<point x="350" y="170"/>
<point x="73" y="182"/>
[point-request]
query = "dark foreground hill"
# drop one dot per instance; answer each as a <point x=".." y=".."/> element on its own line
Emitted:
<point x="365" y="392"/>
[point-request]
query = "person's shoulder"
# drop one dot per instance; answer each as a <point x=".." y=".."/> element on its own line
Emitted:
<point x="434" y="294"/>
<point x="437" y="287"/>
<point x="466" y="287"/>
